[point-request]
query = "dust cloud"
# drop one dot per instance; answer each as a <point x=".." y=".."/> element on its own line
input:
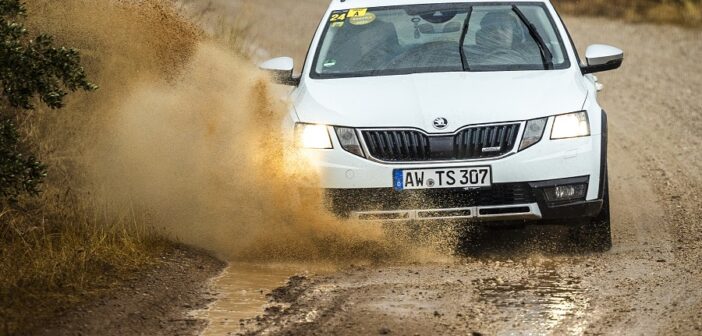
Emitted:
<point x="185" y="137"/>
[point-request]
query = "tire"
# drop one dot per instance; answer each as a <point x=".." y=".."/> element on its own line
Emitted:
<point x="595" y="234"/>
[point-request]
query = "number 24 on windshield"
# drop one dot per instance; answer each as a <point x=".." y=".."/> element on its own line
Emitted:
<point x="337" y="17"/>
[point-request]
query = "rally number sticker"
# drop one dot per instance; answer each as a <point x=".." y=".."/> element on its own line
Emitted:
<point x="340" y="16"/>
<point x="337" y="17"/>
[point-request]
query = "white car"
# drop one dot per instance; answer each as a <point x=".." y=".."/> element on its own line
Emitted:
<point x="444" y="110"/>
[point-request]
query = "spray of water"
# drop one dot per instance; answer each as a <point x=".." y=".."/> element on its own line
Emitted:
<point x="186" y="135"/>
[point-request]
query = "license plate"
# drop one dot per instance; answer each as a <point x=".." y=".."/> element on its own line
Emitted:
<point x="404" y="179"/>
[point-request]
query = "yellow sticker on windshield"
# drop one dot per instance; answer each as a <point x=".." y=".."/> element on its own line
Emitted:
<point x="337" y="16"/>
<point x="362" y="20"/>
<point x="357" y="12"/>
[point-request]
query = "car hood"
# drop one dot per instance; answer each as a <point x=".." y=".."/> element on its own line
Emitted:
<point x="416" y="100"/>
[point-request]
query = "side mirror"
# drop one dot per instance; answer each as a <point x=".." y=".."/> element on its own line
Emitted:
<point x="281" y="69"/>
<point x="602" y="57"/>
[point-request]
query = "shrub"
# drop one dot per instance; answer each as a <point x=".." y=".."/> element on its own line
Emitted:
<point x="29" y="68"/>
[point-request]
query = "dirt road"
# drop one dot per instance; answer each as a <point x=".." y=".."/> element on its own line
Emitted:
<point x="528" y="282"/>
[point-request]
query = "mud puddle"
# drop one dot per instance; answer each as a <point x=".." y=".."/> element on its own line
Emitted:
<point x="241" y="293"/>
<point x="541" y="301"/>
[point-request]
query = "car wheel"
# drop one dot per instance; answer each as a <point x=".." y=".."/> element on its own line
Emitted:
<point x="595" y="234"/>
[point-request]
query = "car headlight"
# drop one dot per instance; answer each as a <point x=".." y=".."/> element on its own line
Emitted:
<point x="312" y="136"/>
<point x="571" y="125"/>
<point x="533" y="132"/>
<point x="349" y="140"/>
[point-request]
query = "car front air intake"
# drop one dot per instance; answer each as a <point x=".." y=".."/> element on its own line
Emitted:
<point x="411" y="145"/>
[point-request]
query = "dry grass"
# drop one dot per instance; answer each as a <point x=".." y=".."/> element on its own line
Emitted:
<point x="65" y="246"/>
<point x="680" y="12"/>
<point x="58" y="251"/>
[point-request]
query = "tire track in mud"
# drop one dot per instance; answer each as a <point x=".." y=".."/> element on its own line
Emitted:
<point x="530" y="282"/>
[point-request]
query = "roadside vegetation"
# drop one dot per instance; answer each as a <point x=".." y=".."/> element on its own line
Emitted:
<point x="60" y="242"/>
<point x="64" y="238"/>
<point x="679" y="12"/>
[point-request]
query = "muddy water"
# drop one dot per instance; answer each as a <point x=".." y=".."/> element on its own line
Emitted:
<point x="241" y="292"/>
<point x="543" y="300"/>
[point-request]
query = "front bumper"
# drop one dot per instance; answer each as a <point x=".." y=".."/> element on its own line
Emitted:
<point x="362" y="188"/>
<point x="501" y="202"/>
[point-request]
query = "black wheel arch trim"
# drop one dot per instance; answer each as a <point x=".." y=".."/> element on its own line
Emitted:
<point x="603" y="156"/>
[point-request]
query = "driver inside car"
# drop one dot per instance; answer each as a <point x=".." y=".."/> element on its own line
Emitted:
<point x="500" y="40"/>
<point x="497" y="30"/>
<point x="497" y="33"/>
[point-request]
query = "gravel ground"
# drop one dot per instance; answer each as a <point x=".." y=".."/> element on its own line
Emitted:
<point x="528" y="283"/>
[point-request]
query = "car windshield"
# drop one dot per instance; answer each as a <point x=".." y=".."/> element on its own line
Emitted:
<point x="427" y="38"/>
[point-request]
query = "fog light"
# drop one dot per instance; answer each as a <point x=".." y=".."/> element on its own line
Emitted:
<point x="565" y="192"/>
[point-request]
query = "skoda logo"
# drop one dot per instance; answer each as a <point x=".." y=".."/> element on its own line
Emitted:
<point x="440" y="123"/>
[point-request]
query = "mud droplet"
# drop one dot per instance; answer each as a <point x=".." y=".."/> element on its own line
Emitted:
<point x="311" y="316"/>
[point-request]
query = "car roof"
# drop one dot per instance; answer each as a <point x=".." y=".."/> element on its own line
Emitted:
<point x="346" y="4"/>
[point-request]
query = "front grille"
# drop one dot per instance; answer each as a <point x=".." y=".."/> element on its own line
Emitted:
<point x="344" y="201"/>
<point x="413" y="145"/>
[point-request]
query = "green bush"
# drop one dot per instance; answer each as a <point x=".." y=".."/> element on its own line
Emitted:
<point x="30" y="68"/>
<point x="17" y="172"/>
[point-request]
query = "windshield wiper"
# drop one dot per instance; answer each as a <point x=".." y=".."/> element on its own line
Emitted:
<point x="546" y="55"/>
<point x="464" y="32"/>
